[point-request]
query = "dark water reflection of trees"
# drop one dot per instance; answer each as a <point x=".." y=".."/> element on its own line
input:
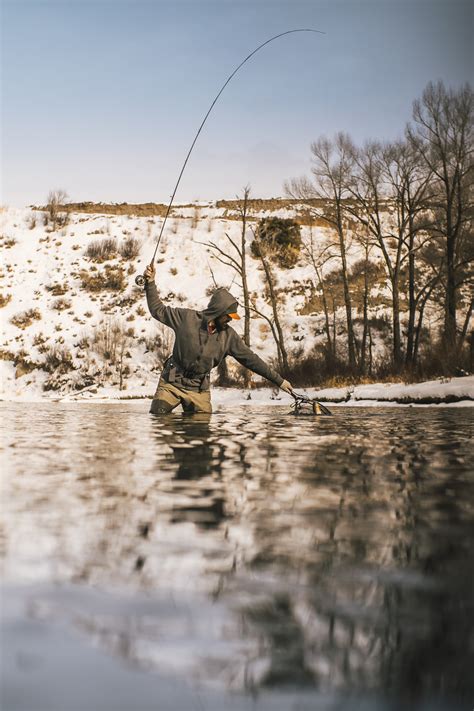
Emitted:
<point x="341" y="549"/>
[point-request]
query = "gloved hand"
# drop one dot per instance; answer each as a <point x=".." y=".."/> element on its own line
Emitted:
<point x="286" y="387"/>
<point x="149" y="273"/>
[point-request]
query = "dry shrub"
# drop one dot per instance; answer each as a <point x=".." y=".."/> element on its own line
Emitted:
<point x="62" y="304"/>
<point x="58" y="359"/>
<point x="25" y="318"/>
<point x="316" y="368"/>
<point x="279" y="239"/>
<point x="31" y="221"/>
<point x="57" y="289"/>
<point x="102" y="249"/>
<point x="111" y="279"/>
<point x="4" y="300"/>
<point x="130" y="248"/>
<point x="160" y="345"/>
<point x="5" y="354"/>
<point x="39" y="341"/>
<point x="436" y="358"/>
<point x="110" y="340"/>
<point x="24" y="364"/>
<point x="57" y="212"/>
<point x="136" y="294"/>
<point x="8" y="242"/>
<point x="21" y="360"/>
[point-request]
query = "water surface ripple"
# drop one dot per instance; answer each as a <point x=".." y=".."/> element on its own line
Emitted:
<point x="246" y="560"/>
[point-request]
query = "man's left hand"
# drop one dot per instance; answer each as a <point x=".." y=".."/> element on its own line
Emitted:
<point x="286" y="387"/>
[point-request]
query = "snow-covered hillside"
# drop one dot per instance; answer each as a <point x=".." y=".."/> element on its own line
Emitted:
<point x="73" y="323"/>
<point x="64" y="312"/>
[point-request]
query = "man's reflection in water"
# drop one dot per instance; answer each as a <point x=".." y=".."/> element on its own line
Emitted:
<point x="199" y="457"/>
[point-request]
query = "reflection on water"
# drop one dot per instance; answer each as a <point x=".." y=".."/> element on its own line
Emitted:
<point x="248" y="551"/>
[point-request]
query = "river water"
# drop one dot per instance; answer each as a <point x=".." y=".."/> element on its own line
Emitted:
<point x="247" y="560"/>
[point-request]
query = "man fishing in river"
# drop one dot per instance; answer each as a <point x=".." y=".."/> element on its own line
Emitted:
<point x="202" y="340"/>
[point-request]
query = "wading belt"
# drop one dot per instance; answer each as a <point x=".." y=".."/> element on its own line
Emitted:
<point x="173" y="369"/>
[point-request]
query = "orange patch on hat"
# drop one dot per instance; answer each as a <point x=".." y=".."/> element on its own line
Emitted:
<point x="234" y="316"/>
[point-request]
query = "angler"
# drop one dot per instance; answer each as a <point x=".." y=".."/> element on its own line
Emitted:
<point x="202" y="340"/>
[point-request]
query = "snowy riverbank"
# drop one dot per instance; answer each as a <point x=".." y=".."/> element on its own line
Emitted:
<point x="452" y="391"/>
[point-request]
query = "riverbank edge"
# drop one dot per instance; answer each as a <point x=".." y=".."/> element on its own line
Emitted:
<point x="441" y="392"/>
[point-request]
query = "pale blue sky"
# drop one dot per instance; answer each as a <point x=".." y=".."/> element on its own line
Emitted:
<point x="103" y="97"/>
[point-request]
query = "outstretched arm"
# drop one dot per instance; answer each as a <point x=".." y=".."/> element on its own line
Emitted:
<point x="165" y="314"/>
<point x="253" y="362"/>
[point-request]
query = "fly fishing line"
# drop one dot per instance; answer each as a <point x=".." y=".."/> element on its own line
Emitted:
<point x="140" y="279"/>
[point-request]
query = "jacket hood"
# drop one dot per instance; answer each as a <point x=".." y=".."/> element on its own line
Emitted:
<point x="221" y="302"/>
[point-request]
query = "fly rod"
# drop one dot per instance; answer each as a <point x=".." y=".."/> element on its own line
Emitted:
<point x="140" y="279"/>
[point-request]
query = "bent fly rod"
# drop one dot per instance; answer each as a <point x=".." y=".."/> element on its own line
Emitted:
<point x="140" y="279"/>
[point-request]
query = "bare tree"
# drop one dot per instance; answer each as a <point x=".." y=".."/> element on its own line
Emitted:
<point x="318" y="256"/>
<point x="409" y="184"/>
<point x="378" y="193"/>
<point x="467" y="320"/>
<point x="235" y="257"/>
<point x="275" y="323"/>
<point x="326" y="198"/>
<point x="443" y="134"/>
<point x="408" y="189"/>
<point x="56" y="200"/>
<point x="364" y="239"/>
<point x="111" y="341"/>
<point x="243" y="210"/>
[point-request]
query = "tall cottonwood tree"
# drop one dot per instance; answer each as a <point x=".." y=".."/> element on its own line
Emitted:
<point x="443" y="134"/>
<point x="372" y="201"/>
<point x="368" y="270"/>
<point x="391" y="191"/>
<point x="326" y="197"/>
<point x="408" y="184"/>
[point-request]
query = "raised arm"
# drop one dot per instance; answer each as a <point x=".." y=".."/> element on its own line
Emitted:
<point x="168" y="315"/>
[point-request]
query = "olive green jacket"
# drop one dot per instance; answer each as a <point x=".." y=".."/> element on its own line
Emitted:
<point x="196" y="351"/>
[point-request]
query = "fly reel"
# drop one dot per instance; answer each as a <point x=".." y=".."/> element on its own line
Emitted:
<point x="140" y="280"/>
